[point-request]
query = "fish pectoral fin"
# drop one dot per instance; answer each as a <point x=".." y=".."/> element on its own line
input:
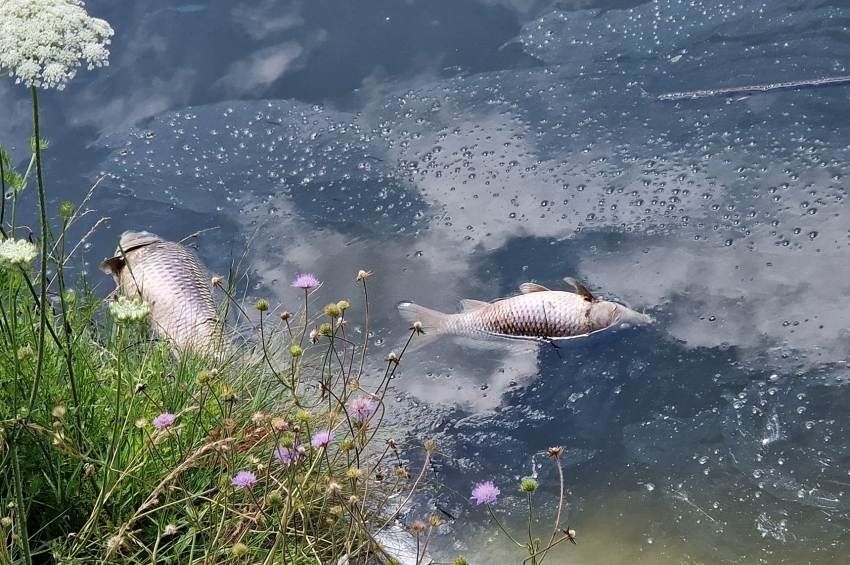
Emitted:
<point x="112" y="266"/>
<point x="581" y="290"/>
<point x="529" y="287"/>
<point x="470" y="305"/>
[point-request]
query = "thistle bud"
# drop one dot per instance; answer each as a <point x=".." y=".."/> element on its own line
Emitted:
<point x="332" y="310"/>
<point x="262" y="305"/>
<point x="528" y="484"/>
<point x="333" y="488"/>
<point x="295" y="350"/>
<point x="274" y="498"/>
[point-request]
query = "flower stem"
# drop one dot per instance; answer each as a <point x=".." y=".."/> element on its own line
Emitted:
<point x="42" y="206"/>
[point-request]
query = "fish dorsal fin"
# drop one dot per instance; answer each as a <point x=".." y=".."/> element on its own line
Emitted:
<point x="529" y="287"/>
<point x="581" y="289"/>
<point x="470" y="305"/>
<point x="112" y="266"/>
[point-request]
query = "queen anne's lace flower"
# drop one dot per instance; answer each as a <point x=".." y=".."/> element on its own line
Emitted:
<point x="43" y="42"/>
<point x="16" y="252"/>
<point x="126" y="310"/>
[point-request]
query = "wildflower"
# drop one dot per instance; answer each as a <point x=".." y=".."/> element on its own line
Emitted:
<point x="295" y="350"/>
<point x="334" y="488"/>
<point x="285" y="315"/>
<point x="392" y="357"/>
<point x="362" y="409"/>
<point x="243" y="479"/>
<point x="217" y="280"/>
<point x="306" y="281"/>
<point x="58" y="412"/>
<point x="343" y="305"/>
<point x="431" y="445"/>
<point x="314" y="335"/>
<point x="354" y="473"/>
<point x="274" y="498"/>
<point x="258" y="418"/>
<point x="15" y="252"/>
<point x="141" y="423"/>
<point x="163" y="421"/>
<point x="555" y="452"/>
<point x="280" y="425"/>
<point x="321" y="439"/>
<point x="303" y="416"/>
<point x="5" y="521"/>
<point x="66" y="210"/>
<point x="204" y="377"/>
<point x="353" y="500"/>
<point x="528" y="484"/>
<point x="332" y="310"/>
<point x="418" y="526"/>
<point x="401" y="472"/>
<point x="417" y="328"/>
<point x="262" y="305"/>
<point x="42" y="42"/>
<point x="114" y="543"/>
<point x="239" y="550"/>
<point x="286" y="455"/>
<point x="25" y="352"/>
<point x="326" y="330"/>
<point x="169" y="530"/>
<point x="227" y="393"/>
<point x="126" y="310"/>
<point x="435" y="520"/>
<point x="363" y="275"/>
<point x="485" y="493"/>
<point x="346" y="444"/>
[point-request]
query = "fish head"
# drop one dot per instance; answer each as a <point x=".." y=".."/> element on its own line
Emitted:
<point x="605" y="314"/>
<point x="129" y="241"/>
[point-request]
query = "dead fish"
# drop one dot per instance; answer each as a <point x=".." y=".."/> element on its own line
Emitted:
<point x="536" y="313"/>
<point x="171" y="279"/>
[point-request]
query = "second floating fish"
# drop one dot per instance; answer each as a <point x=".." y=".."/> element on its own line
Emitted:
<point x="537" y="313"/>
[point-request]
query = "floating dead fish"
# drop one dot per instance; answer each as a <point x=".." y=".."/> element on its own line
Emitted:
<point x="173" y="282"/>
<point x="537" y="313"/>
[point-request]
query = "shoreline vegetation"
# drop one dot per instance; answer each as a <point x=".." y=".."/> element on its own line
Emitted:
<point x="116" y="448"/>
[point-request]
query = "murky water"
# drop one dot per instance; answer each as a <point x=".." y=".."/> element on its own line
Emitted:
<point x="458" y="149"/>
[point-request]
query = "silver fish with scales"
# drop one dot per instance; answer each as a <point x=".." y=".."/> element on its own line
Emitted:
<point x="171" y="279"/>
<point x="536" y="313"/>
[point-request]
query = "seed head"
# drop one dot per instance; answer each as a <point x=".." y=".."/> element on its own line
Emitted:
<point x="363" y="275"/>
<point x="528" y="484"/>
<point x="326" y="330"/>
<point x="217" y="280"/>
<point x="353" y="500"/>
<point x="295" y="350"/>
<point x="334" y="488"/>
<point x="204" y="377"/>
<point x="285" y="315"/>
<point x="169" y="530"/>
<point x="392" y="357"/>
<point x="280" y="425"/>
<point x="336" y="510"/>
<point x="58" y="412"/>
<point x="262" y="305"/>
<point x="343" y="305"/>
<point x="274" y="498"/>
<point x="354" y="473"/>
<point x="401" y="472"/>
<point x="555" y="452"/>
<point x="314" y="335"/>
<point x="303" y="416"/>
<point x="417" y="328"/>
<point x="333" y="310"/>
<point x="239" y="550"/>
<point x="259" y="418"/>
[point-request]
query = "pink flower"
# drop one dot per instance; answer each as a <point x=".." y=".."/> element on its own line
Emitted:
<point x="361" y="409"/>
<point x="306" y="281"/>
<point x="287" y="455"/>
<point x="485" y="493"/>
<point x="321" y="439"/>
<point x="164" y="420"/>
<point x="243" y="479"/>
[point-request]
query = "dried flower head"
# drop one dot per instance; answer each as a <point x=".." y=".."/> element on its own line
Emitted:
<point x="555" y="452"/>
<point x="115" y="543"/>
<point x="239" y="550"/>
<point x="362" y="409"/>
<point x="431" y="445"/>
<point x="280" y="425"/>
<point x="163" y="421"/>
<point x="417" y="328"/>
<point x="354" y="473"/>
<point x="125" y="310"/>
<point x="485" y="493"/>
<point x="15" y="252"/>
<point x="392" y="357"/>
<point x="243" y="479"/>
<point x="285" y="315"/>
<point x="25" y="352"/>
<point x="217" y="280"/>
<point x="43" y="42"/>
<point x="321" y="439"/>
<point x="306" y="281"/>
<point x="363" y="275"/>
<point x="418" y="526"/>
<point x="66" y="209"/>
<point x="334" y="488"/>
<point x="169" y="530"/>
<point x="6" y="522"/>
<point x="274" y="498"/>
<point x="343" y="305"/>
<point x="314" y="335"/>
<point x="434" y="520"/>
<point x="58" y="412"/>
<point x="262" y="305"/>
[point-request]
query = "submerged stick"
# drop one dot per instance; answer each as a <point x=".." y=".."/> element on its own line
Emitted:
<point x="692" y="94"/>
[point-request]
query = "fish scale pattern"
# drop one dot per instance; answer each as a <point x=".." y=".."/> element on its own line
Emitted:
<point x="537" y="314"/>
<point x="172" y="280"/>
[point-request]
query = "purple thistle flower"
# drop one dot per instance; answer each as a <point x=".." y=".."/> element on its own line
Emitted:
<point x="361" y="409"/>
<point x="306" y="281"/>
<point x="287" y="455"/>
<point x="164" y="420"/>
<point x="485" y="493"/>
<point x="321" y="439"/>
<point x="244" y="479"/>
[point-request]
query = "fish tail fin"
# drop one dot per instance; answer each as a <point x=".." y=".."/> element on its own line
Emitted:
<point x="433" y="322"/>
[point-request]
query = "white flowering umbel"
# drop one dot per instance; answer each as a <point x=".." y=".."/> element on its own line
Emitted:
<point x="43" y="42"/>
<point x="126" y="311"/>
<point x="16" y="252"/>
